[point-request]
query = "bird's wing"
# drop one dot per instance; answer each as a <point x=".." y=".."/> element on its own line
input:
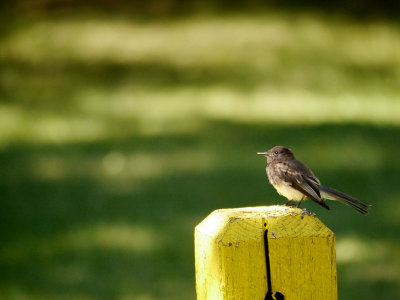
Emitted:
<point x="309" y="189"/>
<point x="294" y="177"/>
<point x="301" y="183"/>
<point x="302" y="179"/>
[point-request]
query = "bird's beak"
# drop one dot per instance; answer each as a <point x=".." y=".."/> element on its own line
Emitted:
<point x="262" y="153"/>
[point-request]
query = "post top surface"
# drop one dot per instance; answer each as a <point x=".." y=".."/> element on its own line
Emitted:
<point x="281" y="220"/>
<point x="268" y="211"/>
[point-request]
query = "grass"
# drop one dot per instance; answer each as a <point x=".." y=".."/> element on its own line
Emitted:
<point x="119" y="136"/>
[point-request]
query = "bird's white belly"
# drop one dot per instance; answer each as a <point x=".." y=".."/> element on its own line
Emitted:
<point x="289" y="192"/>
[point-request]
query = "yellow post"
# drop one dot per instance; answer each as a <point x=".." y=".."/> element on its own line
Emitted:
<point x="268" y="252"/>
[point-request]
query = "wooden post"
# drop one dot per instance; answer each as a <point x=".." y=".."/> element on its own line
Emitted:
<point x="268" y="252"/>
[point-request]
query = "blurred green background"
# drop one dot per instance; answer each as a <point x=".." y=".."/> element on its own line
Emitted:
<point x="124" y="124"/>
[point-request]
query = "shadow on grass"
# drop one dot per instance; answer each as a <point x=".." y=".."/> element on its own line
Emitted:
<point x="59" y="228"/>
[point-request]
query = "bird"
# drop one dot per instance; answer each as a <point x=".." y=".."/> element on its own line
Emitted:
<point x="295" y="181"/>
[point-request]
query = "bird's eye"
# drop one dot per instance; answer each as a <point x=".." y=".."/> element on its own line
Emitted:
<point x="276" y="152"/>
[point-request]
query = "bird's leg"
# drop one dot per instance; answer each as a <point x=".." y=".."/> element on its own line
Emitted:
<point x="288" y="203"/>
<point x="298" y="204"/>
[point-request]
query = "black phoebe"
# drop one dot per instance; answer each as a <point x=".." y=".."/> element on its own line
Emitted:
<point x="295" y="181"/>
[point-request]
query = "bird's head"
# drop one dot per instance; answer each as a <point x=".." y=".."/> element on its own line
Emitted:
<point x="277" y="153"/>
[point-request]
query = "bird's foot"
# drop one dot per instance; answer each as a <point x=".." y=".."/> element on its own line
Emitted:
<point x="288" y="203"/>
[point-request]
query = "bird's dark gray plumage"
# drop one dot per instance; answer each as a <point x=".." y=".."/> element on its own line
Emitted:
<point x="295" y="181"/>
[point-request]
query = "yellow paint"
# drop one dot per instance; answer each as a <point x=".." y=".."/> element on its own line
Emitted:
<point x="230" y="255"/>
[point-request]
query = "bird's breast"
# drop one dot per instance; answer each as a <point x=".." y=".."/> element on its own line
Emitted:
<point x="289" y="192"/>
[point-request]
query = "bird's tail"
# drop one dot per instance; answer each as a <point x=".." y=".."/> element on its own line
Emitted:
<point x="333" y="194"/>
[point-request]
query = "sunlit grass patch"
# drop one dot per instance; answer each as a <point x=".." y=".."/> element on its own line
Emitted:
<point x="353" y="249"/>
<point x="369" y="261"/>
<point x="184" y="110"/>
<point x="123" y="171"/>
<point x="122" y="238"/>
<point x="256" y="40"/>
